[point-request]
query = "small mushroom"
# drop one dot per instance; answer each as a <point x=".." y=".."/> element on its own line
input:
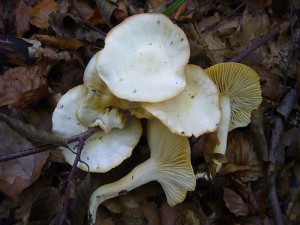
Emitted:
<point x="99" y="90"/>
<point x="195" y="110"/>
<point x="144" y="58"/>
<point x="240" y="93"/>
<point x="101" y="151"/>
<point x="169" y="164"/>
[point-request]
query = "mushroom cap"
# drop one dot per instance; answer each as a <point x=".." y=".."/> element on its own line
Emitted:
<point x="144" y="58"/>
<point x="241" y="84"/>
<point x="99" y="90"/>
<point x="92" y="113"/>
<point x="195" y="110"/>
<point x="172" y="155"/>
<point x="101" y="151"/>
<point x="91" y="78"/>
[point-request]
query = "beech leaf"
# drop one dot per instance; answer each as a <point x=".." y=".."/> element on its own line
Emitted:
<point x="39" y="14"/>
<point x="23" y="86"/>
<point x="235" y="203"/>
<point x="60" y="42"/>
<point x="18" y="174"/>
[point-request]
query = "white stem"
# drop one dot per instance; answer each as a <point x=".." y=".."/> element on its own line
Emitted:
<point x="140" y="175"/>
<point x="223" y="128"/>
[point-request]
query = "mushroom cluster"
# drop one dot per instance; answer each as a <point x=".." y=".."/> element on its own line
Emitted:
<point x="143" y="73"/>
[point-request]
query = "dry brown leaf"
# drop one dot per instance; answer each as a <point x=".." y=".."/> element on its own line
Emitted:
<point x="217" y="49"/>
<point x="251" y="27"/>
<point x="169" y="215"/>
<point x="60" y="42"/>
<point x="151" y="212"/>
<point x="96" y="19"/>
<point x="23" y="86"/>
<point x="39" y="14"/>
<point x="293" y="211"/>
<point x="271" y="86"/>
<point x="235" y="203"/>
<point x="22" y="17"/>
<point x="18" y="174"/>
<point x="84" y="8"/>
<point x="242" y="158"/>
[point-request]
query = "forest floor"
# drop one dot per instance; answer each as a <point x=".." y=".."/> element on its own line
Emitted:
<point x="44" y="49"/>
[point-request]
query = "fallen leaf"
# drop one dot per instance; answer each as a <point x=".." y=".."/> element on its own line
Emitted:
<point x="110" y="12"/>
<point x="151" y="212"/>
<point x="235" y="203"/>
<point x="39" y="14"/>
<point x="68" y="43"/>
<point x="18" y="174"/>
<point x="242" y="159"/>
<point x="68" y="25"/>
<point x="132" y="212"/>
<point x="169" y="215"/>
<point x="23" y="86"/>
<point x="22" y="17"/>
<point x="293" y="211"/>
<point x="46" y="205"/>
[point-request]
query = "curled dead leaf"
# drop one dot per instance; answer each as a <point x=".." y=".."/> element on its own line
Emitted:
<point x="60" y="42"/>
<point x="242" y="158"/>
<point x="23" y="86"/>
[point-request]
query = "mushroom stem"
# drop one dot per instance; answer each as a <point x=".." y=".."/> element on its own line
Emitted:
<point x="140" y="175"/>
<point x="223" y="129"/>
<point x="169" y="164"/>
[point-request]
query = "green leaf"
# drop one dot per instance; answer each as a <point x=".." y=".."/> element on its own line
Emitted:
<point x="173" y="7"/>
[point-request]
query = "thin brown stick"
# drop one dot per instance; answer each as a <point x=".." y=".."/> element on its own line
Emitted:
<point x="283" y="113"/>
<point x="258" y="42"/>
<point x="209" y="28"/>
<point x="81" y="139"/>
<point x="26" y="152"/>
<point x="42" y="148"/>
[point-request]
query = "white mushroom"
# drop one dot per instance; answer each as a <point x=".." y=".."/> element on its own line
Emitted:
<point x="99" y="90"/>
<point x="240" y="93"/>
<point x="144" y="58"/>
<point x="169" y="164"/>
<point x="101" y="151"/>
<point x="195" y="110"/>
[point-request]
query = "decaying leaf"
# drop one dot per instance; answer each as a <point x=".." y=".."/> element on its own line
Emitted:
<point x="68" y="25"/>
<point x="242" y="158"/>
<point x="47" y="204"/>
<point x="18" y="174"/>
<point x="272" y="89"/>
<point x="23" y="86"/>
<point x="22" y="17"/>
<point x="60" y="42"/>
<point x="39" y="14"/>
<point x="111" y="13"/>
<point x="235" y="203"/>
<point x="293" y="212"/>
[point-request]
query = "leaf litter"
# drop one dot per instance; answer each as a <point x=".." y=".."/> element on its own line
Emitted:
<point x="62" y="36"/>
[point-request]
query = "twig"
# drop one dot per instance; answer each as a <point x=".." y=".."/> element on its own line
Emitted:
<point x="81" y="138"/>
<point x="258" y="42"/>
<point x="45" y="147"/>
<point x="26" y="152"/>
<point x="283" y="113"/>
<point x="209" y="28"/>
